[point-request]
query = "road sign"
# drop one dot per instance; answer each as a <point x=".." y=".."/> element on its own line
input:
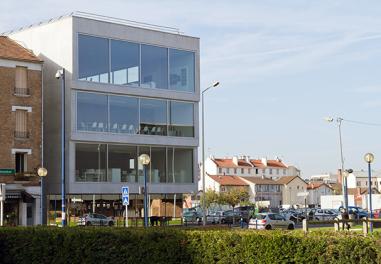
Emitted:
<point x="126" y="200"/>
<point x="7" y="171"/>
<point x="302" y="194"/>
<point x="125" y="191"/>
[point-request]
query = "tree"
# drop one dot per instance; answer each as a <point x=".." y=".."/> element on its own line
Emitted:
<point x="235" y="196"/>
<point x="210" y="197"/>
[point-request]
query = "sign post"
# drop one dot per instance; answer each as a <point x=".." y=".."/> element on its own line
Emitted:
<point x="2" y="199"/>
<point x="304" y="194"/>
<point x="126" y="200"/>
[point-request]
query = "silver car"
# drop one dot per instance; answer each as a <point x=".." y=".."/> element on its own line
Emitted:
<point x="270" y="221"/>
<point x="96" y="220"/>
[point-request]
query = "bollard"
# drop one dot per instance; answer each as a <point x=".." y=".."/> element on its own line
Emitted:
<point x="305" y="226"/>
<point x="336" y="225"/>
<point x="365" y="227"/>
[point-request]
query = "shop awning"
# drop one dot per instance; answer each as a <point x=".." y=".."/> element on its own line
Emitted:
<point x="19" y="194"/>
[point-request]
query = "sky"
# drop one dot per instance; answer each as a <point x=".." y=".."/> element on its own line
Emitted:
<point x="283" y="66"/>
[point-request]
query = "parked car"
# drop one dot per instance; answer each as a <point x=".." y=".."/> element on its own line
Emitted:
<point x="217" y="217"/>
<point x="192" y="217"/>
<point x="324" y="214"/>
<point x="96" y="220"/>
<point x="358" y="212"/>
<point x="270" y="221"/>
<point x="231" y="217"/>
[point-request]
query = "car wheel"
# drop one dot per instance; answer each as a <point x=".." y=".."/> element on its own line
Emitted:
<point x="291" y="227"/>
<point x="111" y="223"/>
<point x="88" y="223"/>
<point x="268" y="227"/>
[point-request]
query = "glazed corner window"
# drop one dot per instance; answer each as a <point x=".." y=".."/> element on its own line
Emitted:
<point x="124" y="63"/>
<point x="92" y="112"/>
<point x="93" y="59"/>
<point x="181" y="70"/>
<point x="181" y="119"/>
<point x="154" y="61"/>
<point x="21" y="77"/>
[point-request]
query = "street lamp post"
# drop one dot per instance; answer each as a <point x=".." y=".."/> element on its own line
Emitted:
<point x="369" y="158"/>
<point x="42" y="172"/>
<point x="215" y="84"/>
<point x="339" y="120"/>
<point x="145" y="160"/>
<point x="61" y="75"/>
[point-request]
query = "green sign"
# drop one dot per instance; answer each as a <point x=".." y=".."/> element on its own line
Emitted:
<point x="7" y="171"/>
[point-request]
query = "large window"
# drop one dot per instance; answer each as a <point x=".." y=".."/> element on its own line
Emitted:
<point x="92" y="112"/>
<point x="133" y="64"/>
<point x="122" y="163"/>
<point x="119" y="163"/>
<point x="153" y="117"/>
<point x="181" y="119"/>
<point x="124" y="63"/>
<point x="90" y="160"/>
<point x="124" y="114"/>
<point x="154" y="67"/>
<point x="181" y="71"/>
<point x="93" y="59"/>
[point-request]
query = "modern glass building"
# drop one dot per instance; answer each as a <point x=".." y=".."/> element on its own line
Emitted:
<point x="131" y="88"/>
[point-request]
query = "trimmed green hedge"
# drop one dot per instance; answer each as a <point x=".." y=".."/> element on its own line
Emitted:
<point x="171" y="245"/>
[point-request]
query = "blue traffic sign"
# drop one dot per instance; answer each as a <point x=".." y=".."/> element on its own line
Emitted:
<point x="126" y="200"/>
<point x="125" y="191"/>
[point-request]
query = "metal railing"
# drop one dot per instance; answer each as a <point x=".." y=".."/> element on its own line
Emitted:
<point x="21" y="91"/>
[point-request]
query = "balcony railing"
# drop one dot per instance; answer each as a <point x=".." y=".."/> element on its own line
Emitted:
<point x="21" y="134"/>
<point x="22" y="91"/>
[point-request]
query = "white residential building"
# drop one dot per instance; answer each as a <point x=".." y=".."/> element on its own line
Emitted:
<point x="316" y="190"/>
<point x="359" y="179"/>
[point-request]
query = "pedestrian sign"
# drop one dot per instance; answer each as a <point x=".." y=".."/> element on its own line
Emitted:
<point x="126" y="200"/>
<point x="125" y="191"/>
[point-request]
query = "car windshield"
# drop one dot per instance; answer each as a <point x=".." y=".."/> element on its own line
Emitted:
<point x="261" y="216"/>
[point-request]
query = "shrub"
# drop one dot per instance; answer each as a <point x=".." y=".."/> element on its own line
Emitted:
<point x="171" y="245"/>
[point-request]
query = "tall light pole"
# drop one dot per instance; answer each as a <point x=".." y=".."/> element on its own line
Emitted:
<point x="339" y="120"/>
<point x="215" y="84"/>
<point x="42" y="172"/>
<point x="369" y="158"/>
<point x="145" y="160"/>
<point x="61" y="75"/>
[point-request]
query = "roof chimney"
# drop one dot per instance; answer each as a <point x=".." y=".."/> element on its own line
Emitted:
<point x="264" y="161"/>
<point x="235" y="160"/>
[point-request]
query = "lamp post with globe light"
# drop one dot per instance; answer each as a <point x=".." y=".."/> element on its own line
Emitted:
<point x="144" y="159"/>
<point x="369" y="158"/>
<point x="42" y="172"/>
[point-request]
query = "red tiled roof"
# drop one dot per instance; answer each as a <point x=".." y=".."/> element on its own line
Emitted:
<point x="11" y="50"/>
<point x="356" y="191"/>
<point x="228" y="163"/>
<point x="260" y="180"/>
<point x="286" y="179"/>
<point x="228" y="180"/>
<point x="316" y="185"/>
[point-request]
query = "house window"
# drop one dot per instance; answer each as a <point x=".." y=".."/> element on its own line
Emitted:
<point x="222" y="189"/>
<point x="220" y="170"/>
<point x="358" y="183"/>
<point x="20" y="162"/>
<point x="235" y="171"/>
<point x="256" y="171"/>
<point x="297" y="187"/>
<point x="271" y="171"/>
<point x="242" y="171"/>
<point x="249" y="171"/>
<point x="284" y="171"/>
<point x="277" y="171"/>
<point x="264" y="171"/>
<point x="227" y="170"/>
<point x="21" y="80"/>
<point x="21" y="124"/>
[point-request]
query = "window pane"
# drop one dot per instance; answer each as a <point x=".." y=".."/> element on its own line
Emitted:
<point x="93" y="59"/>
<point x="183" y="165"/>
<point x="158" y="163"/>
<point x="181" y="72"/>
<point x="124" y="114"/>
<point x="122" y="163"/>
<point x="171" y="174"/>
<point x="153" y="117"/>
<point x="124" y="63"/>
<point x="154" y="67"/>
<point x="92" y="112"/>
<point x="181" y="119"/>
<point x="90" y="163"/>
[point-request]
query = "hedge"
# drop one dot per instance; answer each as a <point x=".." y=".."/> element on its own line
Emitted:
<point x="171" y="245"/>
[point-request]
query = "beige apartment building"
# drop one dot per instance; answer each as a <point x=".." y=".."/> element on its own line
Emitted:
<point x="21" y="132"/>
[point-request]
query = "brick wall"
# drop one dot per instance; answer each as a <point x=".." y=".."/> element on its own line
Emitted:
<point x="7" y="118"/>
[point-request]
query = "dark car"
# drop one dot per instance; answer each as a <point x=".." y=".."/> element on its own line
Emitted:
<point x="192" y="217"/>
<point x="231" y="217"/>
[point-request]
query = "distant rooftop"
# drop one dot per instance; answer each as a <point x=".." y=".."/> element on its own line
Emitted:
<point x="114" y="20"/>
<point x="11" y="50"/>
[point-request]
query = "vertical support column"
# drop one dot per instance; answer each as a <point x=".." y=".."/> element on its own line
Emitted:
<point x="305" y="226"/>
<point x="365" y="229"/>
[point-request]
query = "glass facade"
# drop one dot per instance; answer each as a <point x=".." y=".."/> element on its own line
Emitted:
<point x="181" y="71"/>
<point x="159" y="67"/>
<point x="93" y="59"/>
<point x="119" y="163"/>
<point x="120" y="114"/>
